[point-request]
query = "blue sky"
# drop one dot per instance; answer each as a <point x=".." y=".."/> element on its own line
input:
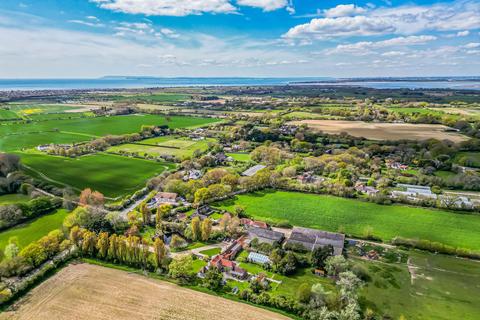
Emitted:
<point x="92" y="38"/>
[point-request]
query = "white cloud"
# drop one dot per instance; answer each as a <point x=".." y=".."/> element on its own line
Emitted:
<point x="169" y="33"/>
<point x="365" y="47"/>
<point x="404" y="20"/>
<point x="343" y="26"/>
<point x="472" y="45"/>
<point x="463" y="33"/>
<point x="343" y="10"/>
<point x="266" y="5"/>
<point x="473" y="51"/>
<point x="393" y="54"/>
<point x="167" y="7"/>
<point x="87" y="23"/>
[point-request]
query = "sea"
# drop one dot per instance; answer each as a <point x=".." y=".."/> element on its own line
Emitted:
<point x="151" y="82"/>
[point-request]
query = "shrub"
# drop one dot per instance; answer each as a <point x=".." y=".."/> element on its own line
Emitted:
<point x="436" y="247"/>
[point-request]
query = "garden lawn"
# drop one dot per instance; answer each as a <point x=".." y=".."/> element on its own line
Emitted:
<point x="112" y="175"/>
<point x="244" y="157"/>
<point x="198" y="264"/>
<point x="444" y="288"/>
<point x="13" y="198"/>
<point x="354" y="216"/>
<point x="211" y="252"/>
<point x="290" y="284"/>
<point x="33" y="230"/>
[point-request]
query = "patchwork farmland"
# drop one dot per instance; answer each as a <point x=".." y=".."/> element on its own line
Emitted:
<point x="96" y="292"/>
<point x="112" y="175"/>
<point x="358" y="217"/>
<point x="384" y="131"/>
<point x="104" y="194"/>
<point x="164" y="146"/>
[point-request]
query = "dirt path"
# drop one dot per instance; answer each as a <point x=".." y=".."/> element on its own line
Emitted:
<point x="89" y="292"/>
<point x="412" y="269"/>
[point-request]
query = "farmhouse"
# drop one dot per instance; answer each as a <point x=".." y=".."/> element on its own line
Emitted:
<point x="312" y="239"/>
<point x="309" y="177"/>
<point x="253" y="170"/>
<point x="192" y="175"/>
<point x="203" y="212"/>
<point x="250" y="223"/>
<point x="395" y="165"/>
<point x="265" y="235"/>
<point x="229" y="267"/>
<point x="164" y="198"/>
<point x="371" y="191"/>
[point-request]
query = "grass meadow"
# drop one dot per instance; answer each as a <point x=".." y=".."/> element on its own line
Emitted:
<point x="13" y="198"/>
<point x="8" y="115"/>
<point x="33" y="230"/>
<point x="100" y="126"/>
<point x="30" y="140"/>
<point x="469" y="159"/>
<point x="355" y="217"/>
<point x="442" y="287"/>
<point x="112" y="175"/>
<point x="243" y="157"/>
<point x="167" y="145"/>
<point x="27" y="135"/>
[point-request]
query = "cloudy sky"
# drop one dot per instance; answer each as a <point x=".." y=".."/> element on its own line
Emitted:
<point x="93" y="38"/>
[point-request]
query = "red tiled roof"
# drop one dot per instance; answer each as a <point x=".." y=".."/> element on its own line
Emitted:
<point x="259" y="224"/>
<point x="227" y="263"/>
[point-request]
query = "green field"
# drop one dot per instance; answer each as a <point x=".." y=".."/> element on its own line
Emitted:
<point x="332" y="213"/>
<point x="468" y="159"/>
<point x="25" y="141"/>
<point x="30" y="109"/>
<point x="445" y="174"/>
<point x="161" y="146"/>
<point x="160" y="97"/>
<point x="243" y="157"/>
<point x="101" y="126"/>
<point x="13" y="198"/>
<point x="80" y="129"/>
<point x="444" y="288"/>
<point x="416" y="110"/>
<point x="62" y="116"/>
<point x="8" y="115"/>
<point x="112" y="175"/>
<point x="33" y="230"/>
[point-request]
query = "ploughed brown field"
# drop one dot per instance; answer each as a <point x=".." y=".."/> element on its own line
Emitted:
<point x="384" y="131"/>
<point x="90" y="292"/>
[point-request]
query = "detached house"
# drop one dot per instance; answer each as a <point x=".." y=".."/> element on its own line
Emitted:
<point x="163" y="198"/>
